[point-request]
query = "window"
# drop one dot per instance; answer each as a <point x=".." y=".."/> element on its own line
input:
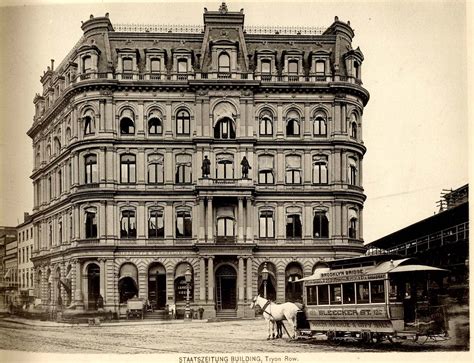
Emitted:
<point x="183" y="224"/>
<point x="319" y="126"/>
<point x="50" y="188"/>
<point x="127" y="65"/>
<point x="183" y="169"/>
<point x="155" y="169"/>
<point x="183" y="122"/>
<point x="86" y="64"/>
<point x="265" y="171"/>
<point x="353" y="126"/>
<point x="156" y="225"/>
<point x="155" y="65"/>
<point x="357" y="69"/>
<point x="320" y="68"/>
<point x="60" y="232"/>
<point x="127" y="168"/>
<point x="320" y="225"/>
<point x="90" y="162"/>
<point x="292" y="124"/>
<point x="267" y="225"/>
<point x="155" y="126"/>
<point x="182" y="65"/>
<point x="127" y="126"/>
<point x="88" y="125"/>
<point x="225" y="227"/>
<point x="335" y="294"/>
<point x="266" y="66"/>
<point x="57" y="146"/>
<point x="377" y="292"/>
<point x="91" y="225"/>
<point x="320" y="170"/>
<point x="293" y="226"/>
<point x="128" y="226"/>
<point x="225" y="166"/>
<point x="352" y="171"/>
<point x="224" y="129"/>
<point x="266" y="125"/>
<point x="224" y="63"/>
<point x="352" y="223"/>
<point x="348" y="293"/>
<point x="70" y="226"/>
<point x="60" y="181"/>
<point x="293" y="169"/>
<point x="293" y="67"/>
<point x="69" y="168"/>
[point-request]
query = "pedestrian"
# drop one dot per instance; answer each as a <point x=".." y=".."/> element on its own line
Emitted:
<point x="201" y="312"/>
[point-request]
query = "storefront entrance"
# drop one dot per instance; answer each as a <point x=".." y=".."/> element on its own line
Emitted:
<point x="93" y="286"/>
<point x="157" y="286"/>
<point x="226" y="288"/>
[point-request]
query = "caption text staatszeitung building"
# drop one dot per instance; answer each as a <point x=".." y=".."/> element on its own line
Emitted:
<point x="222" y="149"/>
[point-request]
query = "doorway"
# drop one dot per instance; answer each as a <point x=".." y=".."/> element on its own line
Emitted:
<point x="226" y="288"/>
<point x="157" y="286"/>
<point x="93" y="286"/>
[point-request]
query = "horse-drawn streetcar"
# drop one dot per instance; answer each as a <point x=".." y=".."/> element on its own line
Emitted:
<point x="371" y="298"/>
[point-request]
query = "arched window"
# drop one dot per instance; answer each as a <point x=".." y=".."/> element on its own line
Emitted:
<point x="352" y="171"/>
<point x="183" y="121"/>
<point x="293" y="291"/>
<point x="353" y="223"/>
<point x="155" y="169"/>
<point x="156" y="225"/>
<point x="60" y="232"/>
<point x="353" y="126"/>
<point x="320" y="169"/>
<point x="224" y="63"/>
<point x="357" y="69"/>
<point x="293" y="169"/>
<point x="60" y="181"/>
<point x="127" y="282"/>
<point x="128" y="224"/>
<point x="91" y="224"/>
<point x="89" y="127"/>
<point x="225" y="166"/>
<point x="86" y="64"/>
<point x="266" y="224"/>
<point x="181" y="287"/>
<point x="57" y="146"/>
<point x="68" y="134"/>
<point x="320" y="225"/>
<point x="183" y="169"/>
<point x="265" y="169"/>
<point x="127" y="125"/>
<point x="127" y="168"/>
<point x="293" y="222"/>
<point x="48" y="152"/>
<point x="90" y="164"/>
<point x="224" y="129"/>
<point x="266" y="124"/>
<point x="155" y="126"/>
<point x="319" y="126"/>
<point x="293" y="124"/>
<point x="183" y="223"/>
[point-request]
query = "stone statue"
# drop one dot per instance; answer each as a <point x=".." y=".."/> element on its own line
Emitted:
<point x="206" y="167"/>
<point x="245" y="168"/>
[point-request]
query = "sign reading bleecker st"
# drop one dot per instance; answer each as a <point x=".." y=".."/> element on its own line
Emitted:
<point x="349" y="312"/>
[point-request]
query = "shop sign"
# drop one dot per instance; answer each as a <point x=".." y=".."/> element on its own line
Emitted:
<point x="347" y="312"/>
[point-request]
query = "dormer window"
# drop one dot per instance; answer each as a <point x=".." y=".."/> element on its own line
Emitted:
<point x="155" y="65"/>
<point x="86" y="64"/>
<point x="266" y="66"/>
<point x="293" y="68"/>
<point x="320" y="68"/>
<point x="224" y="63"/>
<point x="182" y="65"/>
<point x="127" y="65"/>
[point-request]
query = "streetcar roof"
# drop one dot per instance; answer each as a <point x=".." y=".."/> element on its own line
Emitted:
<point x="392" y="266"/>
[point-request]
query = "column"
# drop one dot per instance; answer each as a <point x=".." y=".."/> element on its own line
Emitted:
<point x="102" y="219"/>
<point x="205" y="118"/>
<point x="78" y="285"/>
<point x="280" y="221"/>
<point x="169" y="120"/>
<point x="168" y="166"/>
<point x="139" y="120"/>
<point x="210" y="280"/>
<point x="202" y="220"/>
<point x="210" y="224"/>
<point x="250" y="221"/>
<point x="308" y="170"/>
<point x="102" y="278"/>
<point x="343" y="166"/>
<point x="140" y="167"/>
<point x="102" y="164"/>
<point x="249" y="278"/>
<point x="241" y="279"/>
<point x="169" y="220"/>
<point x="101" y="115"/>
<point x="308" y="221"/>
<point x="202" y="279"/>
<point x="250" y="117"/>
<point x="243" y="118"/>
<point x="141" y="220"/>
<point x="108" y="116"/>
<point x="307" y="121"/>
<point x="280" y="132"/>
<point x="240" y="224"/>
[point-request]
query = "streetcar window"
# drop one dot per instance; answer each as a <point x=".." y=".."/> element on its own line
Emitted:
<point x="323" y="295"/>
<point x="335" y="294"/>
<point x="377" y="291"/>
<point x="311" y="295"/>
<point x="396" y="291"/>
<point x="348" y="293"/>
<point x="362" y="292"/>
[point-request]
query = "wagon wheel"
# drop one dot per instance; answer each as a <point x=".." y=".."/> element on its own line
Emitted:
<point x="331" y="335"/>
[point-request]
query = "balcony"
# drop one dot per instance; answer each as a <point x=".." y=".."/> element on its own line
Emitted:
<point x="218" y="182"/>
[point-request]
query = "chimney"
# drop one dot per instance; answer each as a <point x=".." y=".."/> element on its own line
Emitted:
<point x="52" y="64"/>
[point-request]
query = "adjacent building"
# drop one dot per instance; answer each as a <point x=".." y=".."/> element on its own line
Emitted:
<point x="9" y="267"/>
<point x="24" y="253"/>
<point x="218" y="149"/>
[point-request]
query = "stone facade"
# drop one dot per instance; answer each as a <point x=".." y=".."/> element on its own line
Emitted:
<point x="124" y="201"/>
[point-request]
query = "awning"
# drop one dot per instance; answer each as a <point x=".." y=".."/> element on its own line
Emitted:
<point x="181" y="270"/>
<point x="418" y="268"/>
<point x="223" y="212"/>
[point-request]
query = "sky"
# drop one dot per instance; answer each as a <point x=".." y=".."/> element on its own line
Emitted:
<point x="415" y="126"/>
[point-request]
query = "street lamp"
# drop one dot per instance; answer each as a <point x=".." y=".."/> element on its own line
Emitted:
<point x="187" y="276"/>
<point x="265" y="278"/>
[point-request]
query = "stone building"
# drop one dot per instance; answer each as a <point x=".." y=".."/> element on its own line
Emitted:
<point x="24" y="253"/>
<point x="219" y="148"/>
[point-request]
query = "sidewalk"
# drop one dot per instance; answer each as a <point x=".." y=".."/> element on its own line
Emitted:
<point x="39" y="323"/>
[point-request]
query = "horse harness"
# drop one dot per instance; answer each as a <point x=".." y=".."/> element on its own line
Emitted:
<point x="264" y="307"/>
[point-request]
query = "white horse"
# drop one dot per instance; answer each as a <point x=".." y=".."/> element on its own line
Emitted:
<point x="273" y="312"/>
